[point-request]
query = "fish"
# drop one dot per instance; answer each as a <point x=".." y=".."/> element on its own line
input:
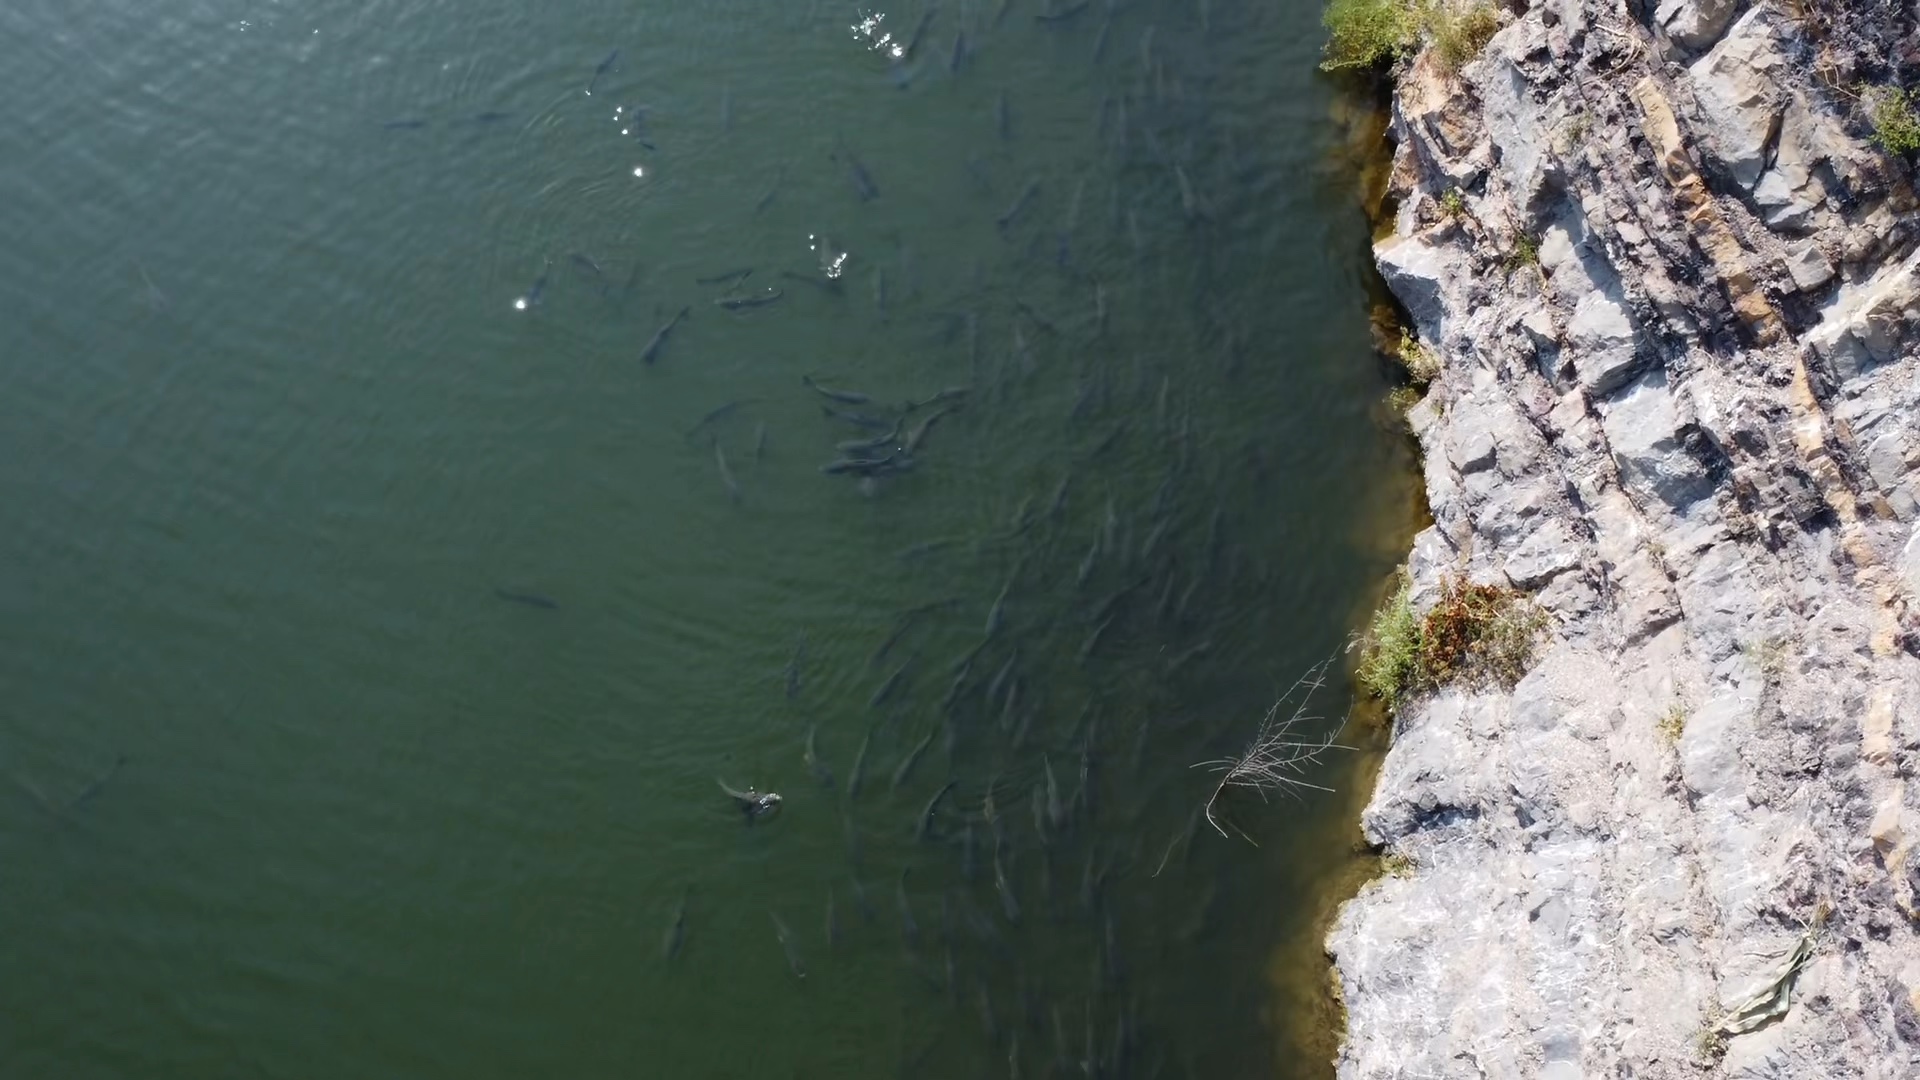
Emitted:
<point x="1008" y="903"/>
<point x="868" y="466"/>
<point x="1056" y="811"/>
<point x="1039" y="803"/>
<point x="1059" y="501"/>
<point x="738" y="303"/>
<point x="1009" y="710"/>
<point x="959" y="54"/>
<point x="676" y="934"/>
<point x="1146" y="48"/>
<point x="954" y="688"/>
<point x="1002" y="118"/>
<point x="906" y="620"/>
<point x="1099" y="310"/>
<point x="1154" y="536"/>
<point x="659" y="339"/>
<point x="93" y="788"/>
<point x="793" y="667"/>
<point x="853" y="840"/>
<point x="812" y="757"/>
<point x="773" y="189"/>
<point x="534" y="600"/>
<point x="1063" y="15"/>
<point x="920" y="431"/>
<point x="861" y="903"/>
<point x="919" y="31"/>
<point x="728" y="277"/>
<point x="714" y="416"/>
<point x="155" y="299"/>
<point x="754" y="804"/>
<point x="905" y="768"/>
<point x="999" y="680"/>
<point x="1088" y="564"/>
<point x="1100" y="39"/>
<point x="405" y="124"/>
<point x="984" y="1002"/>
<point x="1188" y="201"/>
<point x="924" y="824"/>
<point x="786" y="944"/>
<point x="584" y="264"/>
<point x="858" y="772"/>
<point x="533" y="295"/>
<point x="1020" y="731"/>
<point x="726" y="473"/>
<point x="844" y="397"/>
<point x="862" y="420"/>
<point x="1106" y="444"/>
<point x="603" y="67"/>
<point x="1000" y="13"/>
<point x="833" y="919"/>
<point x="909" y="929"/>
<point x="857" y="174"/>
<point x="1026" y="195"/>
<point x="891" y="684"/>
<point x="997" y="614"/>
<point x="1093" y="640"/>
<point x="759" y="442"/>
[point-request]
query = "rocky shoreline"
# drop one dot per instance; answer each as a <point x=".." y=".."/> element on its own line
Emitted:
<point x="1673" y="292"/>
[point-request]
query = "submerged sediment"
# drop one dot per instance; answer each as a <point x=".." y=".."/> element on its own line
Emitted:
<point x="1673" y="288"/>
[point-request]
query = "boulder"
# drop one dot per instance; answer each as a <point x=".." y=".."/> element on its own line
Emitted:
<point x="1642" y="428"/>
<point x="1694" y="24"/>
<point x="1601" y="343"/>
<point x="1737" y="88"/>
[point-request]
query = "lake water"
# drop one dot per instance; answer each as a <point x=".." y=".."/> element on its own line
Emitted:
<point x="376" y="620"/>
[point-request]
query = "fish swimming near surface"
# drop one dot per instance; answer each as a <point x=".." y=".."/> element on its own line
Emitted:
<point x="1020" y="203"/>
<point x="726" y="472"/>
<point x="772" y="190"/>
<point x="739" y="303"/>
<point x="1009" y="904"/>
<point x="950" y="393"/>
<point x="909" y="928"/>
<point x="1056" y="810"/>
<point x="812" y="757"/>
<point x="94" y="787"/>
<point x="717" y="414"/>
<point x="601" y="69"/>
<point x="858" y="772"/>
<point x="892" y="683"/>
<point x="861" y="420"/>
<point x="659" y="340"/>
<point x="786" y="945"/>
<point x="676" y="935"/>
<point x="857" y="174"/>
<point x="922" y="429"/>
<point x="919" y="32"/>
<point x="924" y="823"/>
<point x="997" y="614"/>
<point x="759" y="442"/>
<point x="405" y="124"/>
<point x="845" y="397"/>
<point x="1100" y="39"/>
<point x="491" y="117"/>
<point x="905" y="768"/>
<point x="754" y="804"/>
<point x="533" y="600"/>
<point x="959" y="54"/>
<point x="1002" y="118"/>
<point x="861" y="903"/>
<point x="892" y="463"/>
<point x="793" y="667"/>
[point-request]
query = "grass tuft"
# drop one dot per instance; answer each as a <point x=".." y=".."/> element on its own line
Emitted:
<point x="1673" y="722"/>
<point x="1476" y="635"/>
<point x="1372" y="33"/>
<point x="1419" y="359"/>
<point x="1896" y="121"/>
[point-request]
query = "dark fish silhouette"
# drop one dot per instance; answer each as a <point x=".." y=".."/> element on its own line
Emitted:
<point x="719" y="413"/>
<point x="676" y="934"/>
<point x="857" y="173"/>
<point x="584" y="264"/>
<point x="891" y="684"/>
<point x="659" y="340"/>
<point x="404" y="125"/>
<point x="88" y="793"/>
<point x="959" y="54"/>
<point x="1026" y="195"/>
<point x="604" y="67"/>
<point x="845" y="397"/>
<point x="536" y="600"/>
<point x="726" y="472"/>
<point x="905" y="768"/>
<point x="491" y="117"/>
<point x="793" y="667"/>
<point x="812" y="758"/>
<point x="924" y="824"/>
<point x="786" y="944"/>
<point x="1063" y="15"/>
<point x="855" y="775"/>
<point x="772" y="190"/>
<point x="738" y="303"/>
<point x="863" y="420"/>
<point x="909" y="929"/>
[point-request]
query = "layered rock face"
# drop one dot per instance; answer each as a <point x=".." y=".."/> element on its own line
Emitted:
<point x="1679" y="404"/>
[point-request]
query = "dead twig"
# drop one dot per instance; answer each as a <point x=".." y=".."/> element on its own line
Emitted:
<point x="1279" y="756"/>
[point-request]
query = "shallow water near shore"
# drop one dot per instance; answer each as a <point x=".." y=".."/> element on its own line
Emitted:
<point x="377" y="622"/>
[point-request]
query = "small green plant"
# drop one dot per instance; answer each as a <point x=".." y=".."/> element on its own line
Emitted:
<point x="1367" y="33"/>
<point x="1767" y="654"/>
<point x="1896" y="121"/>
<point x="1524" y="253"/>
<point x="1453" y="204"/>
<point x="1477" y="635"/>
<point x="1395" y="864"/>
<point x="1402" y="399"/>
<point x="1710" y="1044"/>
<point x="1420" y="361"/>
<point x="1459" y="32"/>
<point x="1673" y="722"/>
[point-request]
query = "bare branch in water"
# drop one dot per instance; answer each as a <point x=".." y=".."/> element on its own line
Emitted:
<point x="1280" y="755"/>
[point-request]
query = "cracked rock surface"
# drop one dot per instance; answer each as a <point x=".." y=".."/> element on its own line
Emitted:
<point x="1679" y="404"/>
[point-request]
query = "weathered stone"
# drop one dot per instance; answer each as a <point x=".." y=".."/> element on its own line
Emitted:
<point x="1642" y="428"/>
<point x="1737" y="86"/>
<point x="1694" y="24"/>
<point x="1415" y="270"/>
<point x="1808" y="266"/>
<point x="1601" y="342"/>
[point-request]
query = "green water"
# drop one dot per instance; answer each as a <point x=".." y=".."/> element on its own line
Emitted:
<point x="274" y="440"/>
